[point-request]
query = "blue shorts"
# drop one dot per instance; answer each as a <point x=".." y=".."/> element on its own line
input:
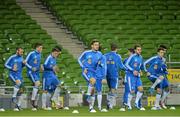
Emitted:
<point x="50" y="82"/>
<point x="164" y="83"/>
<point x="14" y="77"/>
<point x="34" y="76"/>
<point x="98" y="85"/>
<point x="133" y="82"/>
<point x="89" y="75"/>
<point x="112" y="83"/>
<point x="161" y="85"/>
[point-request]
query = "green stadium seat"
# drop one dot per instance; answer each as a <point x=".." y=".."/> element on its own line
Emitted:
<point x="168" y="17"/>
<point x="150" y="23"/>
<point x="160" y="7"/>
<point x="154" y="17"/>
<point x="176" y="46"/>
<point x="173" y="7"/>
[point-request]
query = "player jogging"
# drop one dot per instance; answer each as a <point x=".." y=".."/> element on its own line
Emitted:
<point x="15" y="65"/>
<point x="33" y="63"/>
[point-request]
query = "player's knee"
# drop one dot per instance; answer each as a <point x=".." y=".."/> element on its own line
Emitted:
<point x="140" y="89"/>
<point x="37" y="83"/>
<point x="92" y="81"/>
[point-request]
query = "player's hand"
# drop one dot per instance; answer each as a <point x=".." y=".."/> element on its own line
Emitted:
<point x="104" y="81"/>
<point x="148" y="74"/>
<point x="15" y="67"/>
<point x="42" y="68"/>
<point x="34" y="69"/>
<point x="85" y="70"/>
<point x="56" y="69"/>
<point x="141" y="73"/>
<point x="135" y="73"/>
<point x="18" y="82"/>
<point x="92" y="81"/>
<point x="24" y="62"/>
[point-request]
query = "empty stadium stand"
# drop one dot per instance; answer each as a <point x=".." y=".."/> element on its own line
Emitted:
<point x="126" y="22"/>
<point x="18" y="29"/>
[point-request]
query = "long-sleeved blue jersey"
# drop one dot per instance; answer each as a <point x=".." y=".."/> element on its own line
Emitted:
<point x="33" y="60"/>
<point x="49" y="63"/>
<point x="89" y="60"/>
<point x="156" y="66"/>
<point x="114" y="64"/>
<point x="165" y="69"/>
<point x="135" y="63"/>
<point x="15" y="61"/>
<point x="101" y="68"/>
<point x="125" y="60"/>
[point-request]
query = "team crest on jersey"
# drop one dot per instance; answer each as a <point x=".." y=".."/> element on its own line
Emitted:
<point x="135" y="64"/>
<point x="89" y="60"/>
<point x="155" y="66"/>
<point x="112" y="62"/>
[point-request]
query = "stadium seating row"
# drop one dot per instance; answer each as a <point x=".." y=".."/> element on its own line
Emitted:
<point x="126" y="22"/>
<point x="18" y="29"/>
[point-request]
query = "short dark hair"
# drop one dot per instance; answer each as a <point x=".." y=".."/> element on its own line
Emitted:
<point x="56" y="49"/>
<point x="17" y="48"/>
<point x="137" y="46"/>
<point x="159" y="49"/>
<point x="163" y="46"/>
<point x="113" y="46"/>
<point x="36" y="45"/>
<point x="131" y="50"/>
<point x="94" y="41"/>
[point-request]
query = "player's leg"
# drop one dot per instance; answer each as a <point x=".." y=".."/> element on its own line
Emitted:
<point x="56" y="93"/>
<point x="19" y="99"/>
<point x="125" y="97"/>
<point x="92" y="82"/>
<point x="131" y="87"/>
<point x="19" y="95"/>
<point x="158" y="97"/>
<point x="35" y="79"/>
<point x="126" y="91"/>
<point x="45" y="85"/>
<point x="99" y="92"/>
<point x="139" y="92"/>
<point x="155" y="82"/>
<point x="90" y="78"/>
<point x="17" y="84"/>
<point x="166" y="92"/>
<point x="108" y="95"/>
<point x="48" y="98"/>
<point x="112" y="94"/>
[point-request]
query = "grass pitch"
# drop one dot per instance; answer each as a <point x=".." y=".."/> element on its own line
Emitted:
<point x="83" y="111"/>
